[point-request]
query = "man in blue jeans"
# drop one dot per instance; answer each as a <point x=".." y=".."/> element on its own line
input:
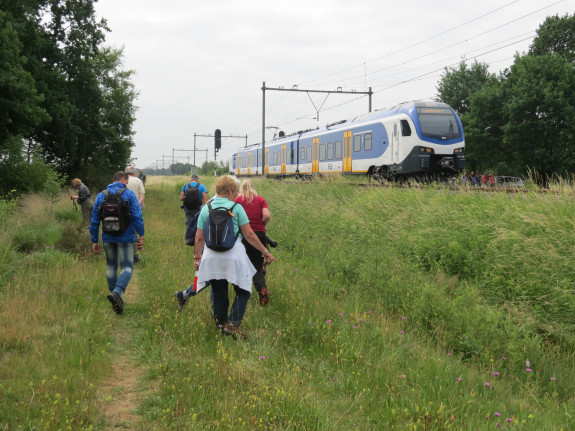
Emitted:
<point x="118" y="245"/>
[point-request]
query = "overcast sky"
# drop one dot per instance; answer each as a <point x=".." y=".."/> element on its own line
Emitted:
<point x="200" y="64"/>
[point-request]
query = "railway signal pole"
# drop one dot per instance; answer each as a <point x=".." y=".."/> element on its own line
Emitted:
<point x="295" y="88"/>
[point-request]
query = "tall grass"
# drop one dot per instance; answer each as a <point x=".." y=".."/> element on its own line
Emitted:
<point x="389" y="309"/>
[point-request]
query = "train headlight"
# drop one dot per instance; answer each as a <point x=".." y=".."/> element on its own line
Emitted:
<point x="426" y="150"/>
<point x="458" y="151"/>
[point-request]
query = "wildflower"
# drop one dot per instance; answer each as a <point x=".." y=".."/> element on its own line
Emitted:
<point x="294" y="270"/>
<point x="401" y="376"/>
<point x="355" y="326"/>
<point x="495" y="373"/>
<point x="553" y="378"/>
<point x="449" y="354"/>
<point x="401" y="332"/>
<point x="458" y="379"/>
<point x="329" y="321"/>
<point x="487" y="384"/>
<point x="529" y="370"/>
<point x="262" y="358"/>
<point x="497" y="414"/>
<point x="315" y="276"/>
<point x="403" y="317"/>
<point x="509" y="420"/>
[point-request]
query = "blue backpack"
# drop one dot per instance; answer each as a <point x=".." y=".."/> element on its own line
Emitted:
<point x="219" y="229"/>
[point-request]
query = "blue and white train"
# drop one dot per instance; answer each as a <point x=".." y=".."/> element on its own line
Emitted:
<point x="414" y="139"/>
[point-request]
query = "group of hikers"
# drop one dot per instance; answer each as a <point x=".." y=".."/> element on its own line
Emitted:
<point x="476" y="180"/>
<point x="230" y="241"/>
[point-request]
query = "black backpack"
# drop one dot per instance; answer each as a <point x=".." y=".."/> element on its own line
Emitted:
<point x="219" y="229"/>
<point x="192" y="229"/>
<point x="115" y="212"/>
<point x="192" y="198"/>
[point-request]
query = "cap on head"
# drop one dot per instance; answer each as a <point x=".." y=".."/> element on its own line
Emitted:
<point x="195" y="177"/>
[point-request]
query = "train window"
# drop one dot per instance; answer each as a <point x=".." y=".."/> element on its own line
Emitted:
<point x="367" y="142"/>
<point x="330" y="150"/>
<point x="357" y="143"/>
<point x="292" y="156"/>
<point x="302" y="153"/>
<point x="309" y="154"/>
<point x="322" y="151"/>
<point x="338" y="149"/>
<point x="439" y="123"/>
<point x="405" y="128"/>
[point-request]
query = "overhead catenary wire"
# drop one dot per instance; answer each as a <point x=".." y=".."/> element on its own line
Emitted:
<point x="373" y="78"/>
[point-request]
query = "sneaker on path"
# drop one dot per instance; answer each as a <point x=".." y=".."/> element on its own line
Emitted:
<point x="234" y="331"/>
<point x="264" y="297"/>
<point x="117" y="302"/>
<point x="181" y="300"/>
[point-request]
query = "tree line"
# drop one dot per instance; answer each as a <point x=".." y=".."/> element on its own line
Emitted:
<point x="522" y="120"/>
<point x="66" y="103"/>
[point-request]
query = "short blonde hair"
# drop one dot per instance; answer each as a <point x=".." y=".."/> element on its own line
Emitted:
<point x="247" y="190"/>
<point x="76" y="182"/>
<point x="226" y="182"/>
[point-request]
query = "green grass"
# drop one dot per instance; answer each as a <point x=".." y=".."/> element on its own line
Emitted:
<point x="411" y="308"/>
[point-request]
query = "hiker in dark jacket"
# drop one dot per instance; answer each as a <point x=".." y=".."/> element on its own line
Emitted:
<point x="190" y="213"/>
<point x="119" y="249"/>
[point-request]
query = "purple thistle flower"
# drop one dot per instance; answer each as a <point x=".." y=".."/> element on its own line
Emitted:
<point x="487" y="384"/>
<point x="495" y="373"/>
<point x="497" y="414"/>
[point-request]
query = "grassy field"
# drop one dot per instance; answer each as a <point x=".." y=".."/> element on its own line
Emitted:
<point x="390" y="308"/>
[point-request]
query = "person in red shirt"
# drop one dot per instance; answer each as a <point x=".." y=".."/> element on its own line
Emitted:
<point x="259" y="215"/>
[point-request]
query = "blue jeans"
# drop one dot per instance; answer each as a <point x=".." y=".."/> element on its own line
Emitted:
<point x="222" y="302"/>
<point x="121" y="253"/>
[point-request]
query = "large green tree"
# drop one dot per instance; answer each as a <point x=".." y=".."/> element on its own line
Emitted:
<point x="70" y="100"/>
<point x="458" y="84"/>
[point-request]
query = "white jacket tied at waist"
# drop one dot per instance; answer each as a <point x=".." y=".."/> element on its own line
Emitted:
<point x="232" y="265"/>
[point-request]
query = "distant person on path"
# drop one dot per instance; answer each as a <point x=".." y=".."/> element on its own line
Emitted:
<point x="232" y="266"/>
<point x="84" y="199"/>
<point x="118" y="245"/>
<point x="465" y="180"/>
<point x="259" y="215"/>
<point x="484" y="180"/>
<point x="137" y="186"/>
<point x="142" y="176"/>
<point x="196" y="198"/>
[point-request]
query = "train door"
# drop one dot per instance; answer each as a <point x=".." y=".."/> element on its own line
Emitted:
<point x="267" y="157"/>
<point x="395" y="143"/>
<point x="315" y="155"/>
<point x="249" y="162"/>
<point x="347" y="151"/>
<point x="283" y="168"/>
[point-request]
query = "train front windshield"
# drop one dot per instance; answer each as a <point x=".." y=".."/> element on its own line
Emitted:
<point x="438" y="123"/>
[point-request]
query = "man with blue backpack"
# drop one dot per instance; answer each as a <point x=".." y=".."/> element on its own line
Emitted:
<point x="193" y="195"/>
<point x="118" y="211"/>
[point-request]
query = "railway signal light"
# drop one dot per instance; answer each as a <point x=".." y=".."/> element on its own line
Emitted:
<point x="218" y="139"/>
